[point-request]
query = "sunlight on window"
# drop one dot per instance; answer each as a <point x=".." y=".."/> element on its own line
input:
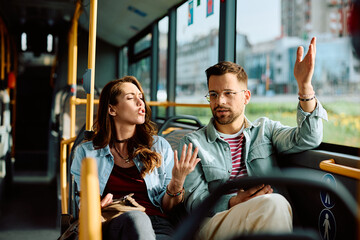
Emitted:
<point x="23" y="42"/>
<point x="49" y="43"/>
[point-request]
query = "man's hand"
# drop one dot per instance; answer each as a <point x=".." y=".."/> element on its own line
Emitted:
<point x="304" y="70"/>
<point x="243" y="196"/>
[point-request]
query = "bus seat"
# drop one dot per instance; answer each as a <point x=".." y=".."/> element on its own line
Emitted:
<point x="6" y="171"/>
<point x="5" y="124"/>
<point x="174" y="128"/>
<point x="174" y="137"/>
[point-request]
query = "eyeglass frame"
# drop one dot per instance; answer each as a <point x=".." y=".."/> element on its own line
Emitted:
<point x="207" y="96"/>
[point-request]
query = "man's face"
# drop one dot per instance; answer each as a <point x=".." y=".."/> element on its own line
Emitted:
<point x="228" y="98"/>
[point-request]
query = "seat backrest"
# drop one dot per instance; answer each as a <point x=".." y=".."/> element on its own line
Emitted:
<point x="174" y="137"/>
<point x="174" y="128"/>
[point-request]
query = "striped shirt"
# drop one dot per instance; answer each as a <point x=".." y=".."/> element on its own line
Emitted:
<point x="236" y="143"/>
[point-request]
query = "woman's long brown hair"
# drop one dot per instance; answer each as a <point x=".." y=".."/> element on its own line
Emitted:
<point x="138" y="145"/>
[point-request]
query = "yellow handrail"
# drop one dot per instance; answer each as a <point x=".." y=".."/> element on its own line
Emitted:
<point x="72" y="73"/>
<point x="91" y="64"/>
<point x="331" y="166"/>
<point x="63" y="173"/>
<point x="79" y="101"/>
<point x="90" y="211"/>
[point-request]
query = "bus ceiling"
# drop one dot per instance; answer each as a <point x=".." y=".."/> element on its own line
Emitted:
<point x="118" y="20"/>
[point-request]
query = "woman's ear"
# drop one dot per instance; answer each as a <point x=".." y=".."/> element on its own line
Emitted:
<point x="111" y="111"/>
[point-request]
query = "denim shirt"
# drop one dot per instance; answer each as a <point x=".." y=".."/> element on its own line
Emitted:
<point x="264" y="138"/>
<point x="156" y="181"/>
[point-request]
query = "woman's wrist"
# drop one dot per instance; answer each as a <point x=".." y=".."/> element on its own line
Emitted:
<point x="174" y="194"/>
<point x="175" y="185"/>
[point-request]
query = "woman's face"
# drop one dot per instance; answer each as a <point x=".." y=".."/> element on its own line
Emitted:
<point x="130" y="108"/>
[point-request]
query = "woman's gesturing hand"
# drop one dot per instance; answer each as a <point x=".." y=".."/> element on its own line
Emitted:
<point x="186" y="164"/>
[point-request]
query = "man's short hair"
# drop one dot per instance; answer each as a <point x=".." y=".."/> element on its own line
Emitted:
<point x="227" y="67"/>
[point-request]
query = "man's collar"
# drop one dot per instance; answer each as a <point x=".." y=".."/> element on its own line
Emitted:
<point x="212" y="134"/>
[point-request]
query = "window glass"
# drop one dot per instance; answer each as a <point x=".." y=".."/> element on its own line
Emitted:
<point x="123" y="62"/>
<point x="163" y="48"/>
<point x="267" y="40"/>
<point x="143" y="43"/>
<point x="197" y="49"/>
<point x="141" y="70"/>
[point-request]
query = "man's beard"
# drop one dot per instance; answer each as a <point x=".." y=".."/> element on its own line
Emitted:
<point x="224" y="120"/>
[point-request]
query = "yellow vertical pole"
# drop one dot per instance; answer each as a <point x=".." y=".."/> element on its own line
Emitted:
<point x="70" y="39"/>
<point x="73" y="74"/>
<point x="90" y="213"/>
<point x="91" y="63"/>
<point x="63" y="182"/>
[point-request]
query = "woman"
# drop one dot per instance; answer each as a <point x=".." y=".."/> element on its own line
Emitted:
<point x="132" y="159"/>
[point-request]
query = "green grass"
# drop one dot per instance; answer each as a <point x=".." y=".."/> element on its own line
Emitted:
<point x="343" y="127"/>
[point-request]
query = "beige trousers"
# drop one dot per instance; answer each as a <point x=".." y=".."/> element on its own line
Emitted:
<point x="266" y="213"/>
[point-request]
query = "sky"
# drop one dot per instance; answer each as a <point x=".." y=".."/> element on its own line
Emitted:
<point x="258" y="19"/>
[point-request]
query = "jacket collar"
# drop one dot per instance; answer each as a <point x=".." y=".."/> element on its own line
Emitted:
<point x="212" y="134"/>
<point x="104" y="151"/>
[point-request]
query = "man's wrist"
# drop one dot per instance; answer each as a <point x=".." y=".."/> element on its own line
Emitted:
<point x="306" y="90"/>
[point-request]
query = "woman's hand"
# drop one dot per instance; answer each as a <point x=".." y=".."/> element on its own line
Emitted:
<point x="243" y="196"/>
<point x="185" y="165"/>
<point x="106" y="200"/>
<point x="181" y="169"/>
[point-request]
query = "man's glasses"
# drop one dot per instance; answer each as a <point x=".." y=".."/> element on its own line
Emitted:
<point x="212" y="96"/>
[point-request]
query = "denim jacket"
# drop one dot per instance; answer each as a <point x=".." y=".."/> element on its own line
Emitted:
<point x="156" y="181"/>
<point x="264" y="138"/>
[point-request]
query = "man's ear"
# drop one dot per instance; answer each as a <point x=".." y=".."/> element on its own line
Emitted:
<point x="247" y="96"/>
<point x="111" y="111"/>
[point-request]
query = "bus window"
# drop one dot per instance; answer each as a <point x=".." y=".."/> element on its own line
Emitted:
<point x="163" y="48"/>
<point x="197" y="49"/>
<point x="123" y="62"/>
<point x="141" y="70"/>
<point x="142" y="44"/>
<point x="267" y="40"/>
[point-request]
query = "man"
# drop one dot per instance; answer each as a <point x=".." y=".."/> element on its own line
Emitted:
<point x="231" y="146"/>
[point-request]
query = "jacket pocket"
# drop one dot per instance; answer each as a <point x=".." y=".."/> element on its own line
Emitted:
<point x="262" y="158"/>
<point x="262" y="150"/>
<point x="213" y="173"/>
